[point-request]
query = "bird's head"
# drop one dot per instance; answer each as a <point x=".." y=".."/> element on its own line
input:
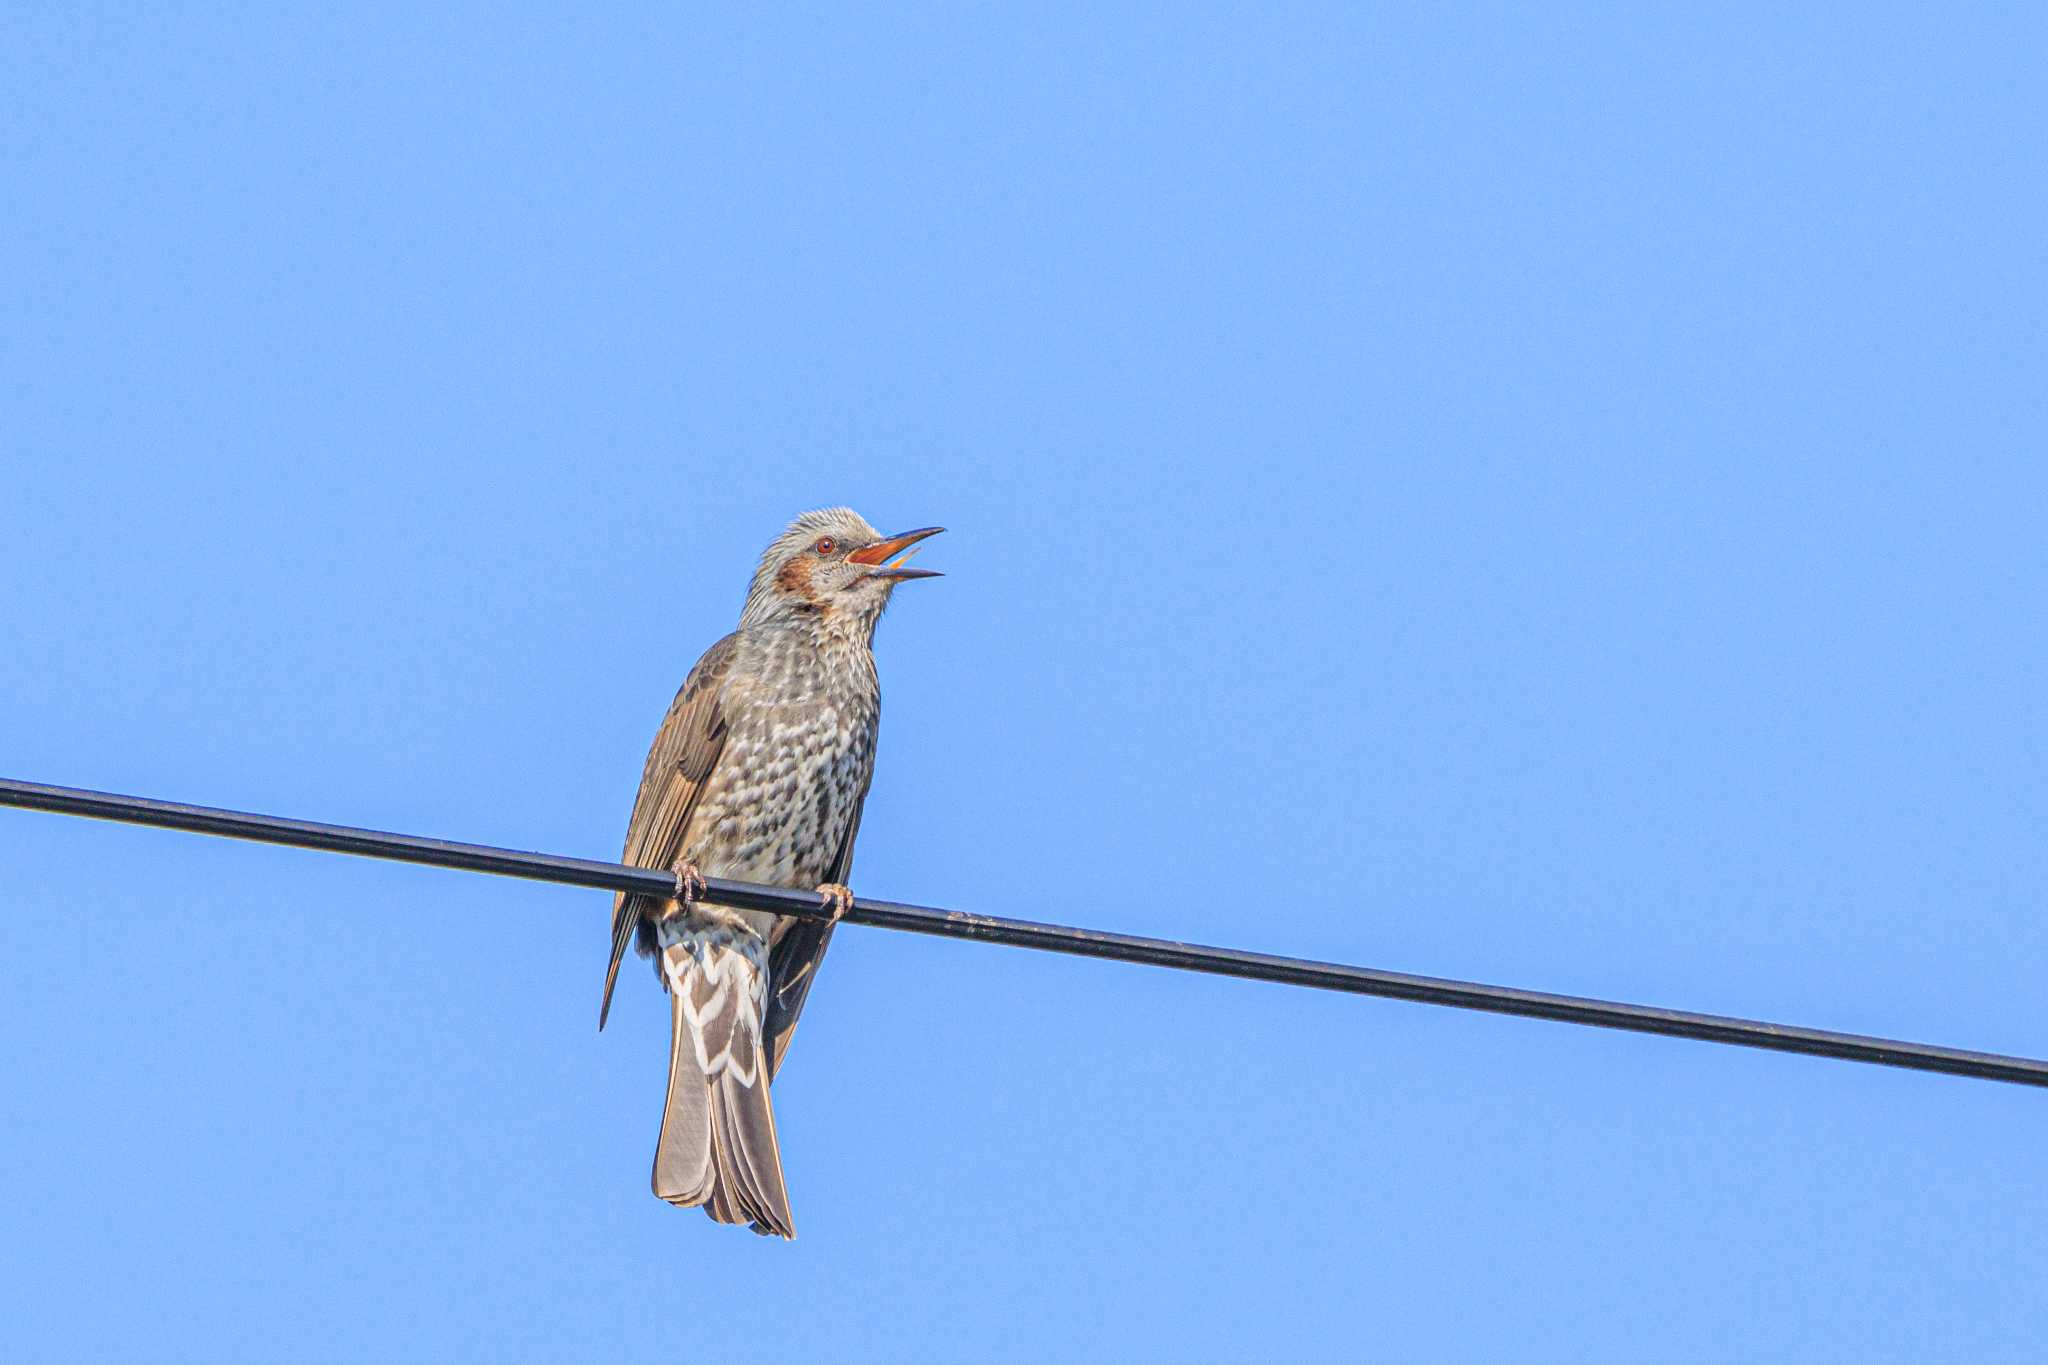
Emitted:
<point x="832" y="569"/>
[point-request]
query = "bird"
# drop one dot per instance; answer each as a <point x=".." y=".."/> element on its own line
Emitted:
<point x="758" y="773"/>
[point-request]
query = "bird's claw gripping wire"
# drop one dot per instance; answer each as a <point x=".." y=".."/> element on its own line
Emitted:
<point x="837" y="898"/>
<point x="689" y="882"/>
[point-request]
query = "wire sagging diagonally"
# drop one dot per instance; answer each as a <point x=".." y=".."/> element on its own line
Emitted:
<point x="1332" y="976"/>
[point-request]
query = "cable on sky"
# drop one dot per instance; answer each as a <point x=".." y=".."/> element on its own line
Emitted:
<point x="1057" y="938"/>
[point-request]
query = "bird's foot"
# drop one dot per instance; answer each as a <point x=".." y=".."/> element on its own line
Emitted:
<point x="837" y="898"/>
<point x="689" y="882"/>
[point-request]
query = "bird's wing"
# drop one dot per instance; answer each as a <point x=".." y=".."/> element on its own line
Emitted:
<point x="798" y="947"/>
<point x="685" y="750"/>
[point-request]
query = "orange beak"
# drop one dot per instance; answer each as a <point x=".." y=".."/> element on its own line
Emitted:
<point x="879" y="554"/>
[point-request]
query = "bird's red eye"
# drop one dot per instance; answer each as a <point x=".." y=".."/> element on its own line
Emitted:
<point x="826" y="545"/>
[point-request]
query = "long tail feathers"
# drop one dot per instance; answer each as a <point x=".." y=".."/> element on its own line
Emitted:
<point x="682" y="1155"/>
<point x="717" y="1146"/>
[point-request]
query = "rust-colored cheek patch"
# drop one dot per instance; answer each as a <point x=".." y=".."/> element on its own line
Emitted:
<point x="794" y="578"/>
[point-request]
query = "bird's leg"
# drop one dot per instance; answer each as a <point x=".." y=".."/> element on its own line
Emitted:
<point x="837" y="898"/>
<point x="689" y="882"/>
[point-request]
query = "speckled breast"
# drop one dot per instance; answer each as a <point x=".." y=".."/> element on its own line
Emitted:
<point x="798" y="755"/>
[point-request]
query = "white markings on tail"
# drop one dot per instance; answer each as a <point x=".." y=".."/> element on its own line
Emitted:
<point x="719" y="976"/>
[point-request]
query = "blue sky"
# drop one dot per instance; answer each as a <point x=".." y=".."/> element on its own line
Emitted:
<point x="1550" y="495"/>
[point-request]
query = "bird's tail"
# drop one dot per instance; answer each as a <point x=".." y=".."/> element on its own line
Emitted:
<point x="717" y="1145"/>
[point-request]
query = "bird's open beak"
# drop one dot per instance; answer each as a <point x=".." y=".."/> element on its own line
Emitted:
<point x="901" y="548"/>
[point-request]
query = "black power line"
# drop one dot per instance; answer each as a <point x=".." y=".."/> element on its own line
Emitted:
<point x="1292" y="971"/>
